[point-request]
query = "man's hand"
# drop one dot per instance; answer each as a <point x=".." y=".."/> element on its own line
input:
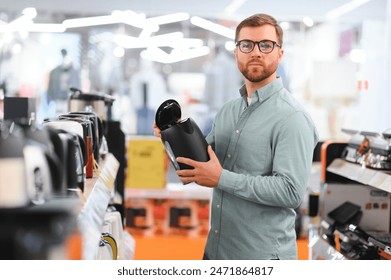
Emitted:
<point x="204" y="173"/>
<point x="156" y="130"/>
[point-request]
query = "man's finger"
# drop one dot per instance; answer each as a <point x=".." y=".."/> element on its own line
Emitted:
<point x="187" y="161"/>
<point x="185" y="173"/>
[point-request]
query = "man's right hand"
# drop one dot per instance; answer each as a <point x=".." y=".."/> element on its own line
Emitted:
<point x="156" y="130"/>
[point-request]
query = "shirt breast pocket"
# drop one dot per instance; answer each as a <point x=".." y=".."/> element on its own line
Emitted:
<point x="253" y="154"/>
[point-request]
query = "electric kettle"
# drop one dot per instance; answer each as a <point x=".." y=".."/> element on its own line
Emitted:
<point x="98" y="124"/>
<point x="13" y="181"/>
<point x="96" y="102"/>
<point x="83" y="129"/>
<point x="181" y="138"/>
<point x="90" y="118"/>
<point x="28" y="170"/>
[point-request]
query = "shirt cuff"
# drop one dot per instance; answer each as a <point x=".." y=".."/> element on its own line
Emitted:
<point x="227" y="181"/>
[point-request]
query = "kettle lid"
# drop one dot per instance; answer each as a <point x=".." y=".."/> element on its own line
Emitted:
<point x="168" y="114"/>
<point x="90" y="96"/>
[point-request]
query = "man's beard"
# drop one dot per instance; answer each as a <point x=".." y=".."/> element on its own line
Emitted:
<point x="255" y="74"/>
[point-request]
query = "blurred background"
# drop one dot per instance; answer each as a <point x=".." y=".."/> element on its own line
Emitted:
<point x="337" y="56"/>
<point x="139" y="53"/>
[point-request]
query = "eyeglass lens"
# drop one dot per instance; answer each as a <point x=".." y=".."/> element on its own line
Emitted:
<point x="247" y="46"/>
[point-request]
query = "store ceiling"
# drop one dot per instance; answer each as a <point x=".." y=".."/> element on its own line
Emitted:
<point x="292" y="10"/>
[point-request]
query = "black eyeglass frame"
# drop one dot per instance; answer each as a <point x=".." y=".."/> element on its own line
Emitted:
<point x="237" y="44"/>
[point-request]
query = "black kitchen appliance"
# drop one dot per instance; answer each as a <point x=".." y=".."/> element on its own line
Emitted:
<point x="99" y="103"/>
<point x="181" y="138"/>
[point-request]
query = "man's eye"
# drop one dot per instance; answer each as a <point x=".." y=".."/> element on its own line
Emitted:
<point x="247" y="45"/>
<point x="265" y="45"/>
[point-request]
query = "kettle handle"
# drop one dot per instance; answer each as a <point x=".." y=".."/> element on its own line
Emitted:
<point x="107" y="238"/>
<point x="55" y="170"/>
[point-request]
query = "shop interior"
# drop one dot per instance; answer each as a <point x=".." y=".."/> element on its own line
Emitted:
<point x="83" y="177"/>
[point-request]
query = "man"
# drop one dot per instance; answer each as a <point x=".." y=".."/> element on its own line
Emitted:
<point x="261" y="148"/>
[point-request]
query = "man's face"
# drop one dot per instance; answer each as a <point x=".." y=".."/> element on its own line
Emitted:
<point x="256" y="66"/>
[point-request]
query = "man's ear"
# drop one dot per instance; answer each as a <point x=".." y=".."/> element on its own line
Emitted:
<point x="236" y="53"/>
<point x="280" y="55"/>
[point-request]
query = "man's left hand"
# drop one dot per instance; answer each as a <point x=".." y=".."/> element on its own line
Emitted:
<point x="204" y="173"/>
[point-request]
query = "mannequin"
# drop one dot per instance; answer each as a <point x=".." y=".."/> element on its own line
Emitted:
<point x="148" y="91"/>
<point x="61" y="79"/>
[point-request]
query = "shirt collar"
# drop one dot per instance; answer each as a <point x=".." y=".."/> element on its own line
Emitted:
<point x="264" y="92"/>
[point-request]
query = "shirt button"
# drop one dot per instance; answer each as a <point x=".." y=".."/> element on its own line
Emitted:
<point x="218" y="205"/>
<point x="237" y="131"/>
<point x="229" y="155"/>
<point x="216" y="231"/>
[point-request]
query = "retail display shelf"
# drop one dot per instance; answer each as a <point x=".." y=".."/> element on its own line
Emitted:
<point x="320" y="249"/>
<point x="376" y="178"/>
<point x="93" y="212"/>
<point x="172" y="191"/>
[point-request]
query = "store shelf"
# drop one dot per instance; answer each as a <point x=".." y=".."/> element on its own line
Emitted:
<point x="371" y="177"/>
<point x="172" y="191"/>
<point x="319" y="249"/>
<point x="92" y="215"/>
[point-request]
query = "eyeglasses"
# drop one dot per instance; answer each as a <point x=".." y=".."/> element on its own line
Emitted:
<point x="265" y="46"/>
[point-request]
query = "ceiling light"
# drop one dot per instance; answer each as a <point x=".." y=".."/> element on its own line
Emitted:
<point x="168" y="18"/>
<point x="158" y="55"/>
<point x="214" y="27"/>
<point x="285" y="25"/>
<point x="118" y="52"/>
<point x="17" y="48"/>
<point x="308" y="21"/>
<point x="30" y="13"/>
<point x="230" y="46"/>
<point x="20" y="23"/>
<point x="346" y="8"/>
<point x="89" y="21"/>
<point x="132" y="18"/>
<point x="46" y="27"/>
<point x="233" y="6"/>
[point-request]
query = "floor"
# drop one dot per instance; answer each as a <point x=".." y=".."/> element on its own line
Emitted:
<point x="185" y="248"/>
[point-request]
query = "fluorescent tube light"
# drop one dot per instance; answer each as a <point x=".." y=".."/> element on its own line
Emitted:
<point x="170" y="18"/>
<point x="46" y="27"/>
<point x="214" y="27"/>
<point x="20" y="23"/>
<point x="89" y="21"/>
<point x="233" y="6"/>
<point x="30" y="13"/>
<point x="158" y="55"/>
<point x="346" y="8"/>
<point x="132" y="18"/>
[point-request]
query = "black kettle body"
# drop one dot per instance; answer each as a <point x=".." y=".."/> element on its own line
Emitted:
<point x="181" y="138"/>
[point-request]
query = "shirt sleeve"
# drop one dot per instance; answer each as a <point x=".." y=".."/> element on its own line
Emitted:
<point x="293" y="147"/>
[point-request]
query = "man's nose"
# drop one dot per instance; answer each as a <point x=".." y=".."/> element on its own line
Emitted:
<point x="256" y="51"/>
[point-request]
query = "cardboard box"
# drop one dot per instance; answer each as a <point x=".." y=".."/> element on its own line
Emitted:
<point x="147" y="165"/>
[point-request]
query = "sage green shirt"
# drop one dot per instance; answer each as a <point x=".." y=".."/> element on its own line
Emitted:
<point x="266" y="152"/>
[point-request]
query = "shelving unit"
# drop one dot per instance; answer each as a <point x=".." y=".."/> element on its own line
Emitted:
<point x="374" y="178"/>
<point x="367" y="189"/>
